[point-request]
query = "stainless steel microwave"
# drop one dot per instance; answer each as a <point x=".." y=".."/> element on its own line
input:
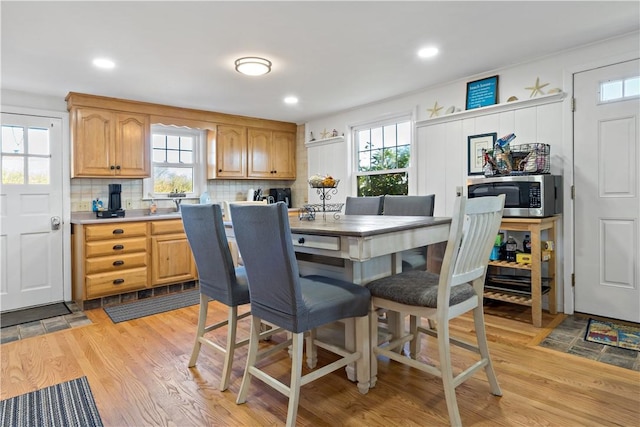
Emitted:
<point x="530" y="196"/>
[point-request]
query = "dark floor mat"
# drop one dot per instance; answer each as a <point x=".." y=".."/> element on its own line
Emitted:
<point x="27" y="315"/>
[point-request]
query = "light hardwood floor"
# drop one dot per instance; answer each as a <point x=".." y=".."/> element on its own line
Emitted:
<point x="139" y="377"/>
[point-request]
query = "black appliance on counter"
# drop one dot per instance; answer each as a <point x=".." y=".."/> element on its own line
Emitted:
<point x="115" y="203"/>
<point x="280" y="195"/>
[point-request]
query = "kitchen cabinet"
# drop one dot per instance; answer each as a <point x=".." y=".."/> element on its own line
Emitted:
<point x="108" y="143"/>
<point x="109" y="259"/>
<point x="229" y="143"/>
<point x="532" y="295"/>
<point x="271" y="154"/>
<point x="171" y="258"/>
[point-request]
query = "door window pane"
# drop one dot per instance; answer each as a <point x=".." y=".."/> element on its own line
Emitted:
<point x="12" y="170"/>
<point x="39" y="170"/>
<point x="12" y="139"/>
<point x="38" y="141"/>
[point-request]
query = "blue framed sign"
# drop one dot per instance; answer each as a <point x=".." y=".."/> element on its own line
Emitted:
<point x="483" y="92"/>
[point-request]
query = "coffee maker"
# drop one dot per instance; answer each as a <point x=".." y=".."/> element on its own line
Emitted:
<point x="115" y="203"/>
<point x="281" y="195"/>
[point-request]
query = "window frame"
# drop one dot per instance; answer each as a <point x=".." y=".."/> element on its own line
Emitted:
<point x="198" y="164"/>
<point x="392" y="119"/>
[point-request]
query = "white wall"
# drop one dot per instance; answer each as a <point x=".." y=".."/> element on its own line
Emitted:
<point x="512" y="82"/>
<point x="440" y="152"/>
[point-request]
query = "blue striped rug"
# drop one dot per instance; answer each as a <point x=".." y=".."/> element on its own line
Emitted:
<point x="66" y="404"/>
<point x="155" y="305"/>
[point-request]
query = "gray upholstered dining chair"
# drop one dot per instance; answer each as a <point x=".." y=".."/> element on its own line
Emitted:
<point x="218" y="278"/>
<point x="371" y="205"/>
<point x="458" y="289"/>
<point x="412" y="259"/>
<point x="297" y="304"/>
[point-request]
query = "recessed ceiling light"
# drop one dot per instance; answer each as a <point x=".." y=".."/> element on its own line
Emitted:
<point x="253" y="66"/>
<point x="428" y="52"/>
<point x="291" y="100"/>
<point x="104" y="63"/>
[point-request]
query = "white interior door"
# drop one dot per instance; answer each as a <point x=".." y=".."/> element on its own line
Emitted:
<point x="31" y="237"/>
<point x="607" y="182"/>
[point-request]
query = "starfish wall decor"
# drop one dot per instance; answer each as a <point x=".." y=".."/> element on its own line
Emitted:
<point x="435" y="111"/>
<point x="537" y="88"/>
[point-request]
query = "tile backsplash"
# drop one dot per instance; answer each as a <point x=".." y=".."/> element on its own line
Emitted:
<point x="84" y="190"/>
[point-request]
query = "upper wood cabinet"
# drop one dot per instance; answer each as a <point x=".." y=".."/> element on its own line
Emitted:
<point x="110" y="143"/>
<point x="271" y="154"/>
<point x="227" y="146"/>
<point x="238" y="152"/>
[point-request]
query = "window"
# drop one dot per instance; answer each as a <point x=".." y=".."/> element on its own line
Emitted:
<point x="383" y="153"/>
<point x="618" y="90"/>
<point x="26" y="156"/>
<point x="176" y="154"/>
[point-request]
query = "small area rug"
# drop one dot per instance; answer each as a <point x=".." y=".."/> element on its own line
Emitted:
<point x="155" y="305"/>
<point x="33" y="314"/>
<point x="613" y="334"/>
<point x="66" y="404"/>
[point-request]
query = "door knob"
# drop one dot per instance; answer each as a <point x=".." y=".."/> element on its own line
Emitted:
<point x="55" y="223"/>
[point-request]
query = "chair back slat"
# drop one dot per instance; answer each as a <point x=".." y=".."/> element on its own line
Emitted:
<point x="474" y="226"/>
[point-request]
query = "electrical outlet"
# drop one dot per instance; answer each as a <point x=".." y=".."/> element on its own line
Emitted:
<point x="84" y="206"/>
<point x="128" y="204"/>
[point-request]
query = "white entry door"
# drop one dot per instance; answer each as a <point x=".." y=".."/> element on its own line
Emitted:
<point x="607" y="182"/>
<point x="31" y="251"/>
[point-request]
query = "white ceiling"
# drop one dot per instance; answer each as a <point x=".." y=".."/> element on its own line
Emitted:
<point x="331" y="55"/>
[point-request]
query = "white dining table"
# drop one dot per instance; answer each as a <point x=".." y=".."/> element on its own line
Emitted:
<point x="359" y="249"/>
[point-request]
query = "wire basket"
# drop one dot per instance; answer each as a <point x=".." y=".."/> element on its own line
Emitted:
<point x="523" y="159"/>
<point x="326" y="207"/>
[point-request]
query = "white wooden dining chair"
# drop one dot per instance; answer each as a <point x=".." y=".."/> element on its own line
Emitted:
<point x="457" y="290"/>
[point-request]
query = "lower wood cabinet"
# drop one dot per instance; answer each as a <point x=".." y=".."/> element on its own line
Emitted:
<point x="121" y="257"/>
<point x="171" y="258"/>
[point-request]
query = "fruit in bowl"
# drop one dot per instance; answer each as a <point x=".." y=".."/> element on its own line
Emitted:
<point x="319" y="181"/>
<point x="328" y="181"/>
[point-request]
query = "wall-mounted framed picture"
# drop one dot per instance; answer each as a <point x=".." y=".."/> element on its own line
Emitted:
<point x="483" y="92"/>
<point x="476" y="145"/>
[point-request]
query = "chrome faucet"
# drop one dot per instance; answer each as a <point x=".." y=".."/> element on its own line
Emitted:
<point x="177" y="198"/>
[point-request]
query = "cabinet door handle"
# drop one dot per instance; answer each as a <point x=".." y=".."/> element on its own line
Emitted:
<point x="118" y="281"/>
<point x="118" y="231"/>
<point x="219" y="170"/>
<point x="118" y="167"/>
<point x="117" y="263"/>
<point x="112" y="167"/>
<point x="118" y="247"/>
<point x="301" y="240"/>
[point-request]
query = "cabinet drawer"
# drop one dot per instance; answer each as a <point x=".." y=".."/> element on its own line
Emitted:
<point x="331" y="243"/>
<point x="115" y="247"/>
<point x="116" y="262"/>
<point x="115" y="231"/>
<point x="167" y="227"/>
<point x="102" y="284"/>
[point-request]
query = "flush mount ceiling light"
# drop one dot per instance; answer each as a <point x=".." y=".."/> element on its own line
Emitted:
<point x="428" y="52"/>
<point x="253" y="66"/>
<point x="103" y="63"/>
<point x="291" y="100"/>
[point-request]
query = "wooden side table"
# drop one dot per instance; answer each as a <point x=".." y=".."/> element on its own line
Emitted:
<point x="535" y="227"/>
